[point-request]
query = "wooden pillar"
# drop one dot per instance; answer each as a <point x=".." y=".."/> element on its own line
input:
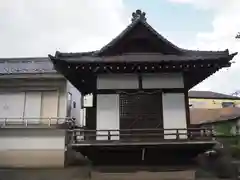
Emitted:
<point x="186" y="101"/>
<point x="187" y="108"/>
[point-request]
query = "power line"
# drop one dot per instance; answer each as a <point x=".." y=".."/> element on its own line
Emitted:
<point x="236" y="93"/>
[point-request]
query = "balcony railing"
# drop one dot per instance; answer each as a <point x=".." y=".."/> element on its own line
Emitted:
<point x="78" y="136"/>
<point x="36" y="122"/>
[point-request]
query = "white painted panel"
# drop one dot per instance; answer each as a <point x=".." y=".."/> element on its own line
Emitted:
<point x="37" y="143"/>
<point x="24" y="139"/>
<point x="49" y="108"/>
<point x="76" y="102"/>
<point x="88" y="100"/>
<point x="117" y="81"/>
<point x="108" y="115"/>
<point x="174" y="114"/>
<point x="162" y="80"/>
<point x="12" y="105"/>
<point x="32" y="110"/>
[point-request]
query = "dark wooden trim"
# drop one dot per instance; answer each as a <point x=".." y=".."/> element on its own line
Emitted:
<point x="117" y="91"/>
<point x="187" y="110"/>
<point x="95" y="110"/>
<point x="161" y="115"/>
<point x="134" y="67"/>
<point x="216" y="98"/>
<point x="91" y="114"/>
<point x="140" y="81"/>
<point x="175" y="90"/>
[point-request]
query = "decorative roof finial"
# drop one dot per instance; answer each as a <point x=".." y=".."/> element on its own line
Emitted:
<point x="138" y="15"/>
<point x="238" y="36"/>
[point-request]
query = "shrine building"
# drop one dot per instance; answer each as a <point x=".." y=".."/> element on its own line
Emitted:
<point x="139" y="82"/>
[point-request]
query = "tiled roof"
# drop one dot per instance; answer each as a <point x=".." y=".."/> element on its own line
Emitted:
<point x="26" y="66"/>
<point x="202" y="116"/>
<point x="138" y="57"/>
<point x="189" y="54"/>
<point x="210" y="95"/>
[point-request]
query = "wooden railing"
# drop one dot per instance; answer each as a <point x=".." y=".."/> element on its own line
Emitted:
<point x="83" y="135"/>
<point x="36" y="122"/>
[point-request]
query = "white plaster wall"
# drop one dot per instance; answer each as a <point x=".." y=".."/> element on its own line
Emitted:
<point x="31" y="143"/>
<point x="32" y="147"/>
<point x="117" y="81"/>
<point x="108" y="115"/>
<point x="163" y="80"/>
<point x="76" y="97"/>
<point x="174" y="114"/>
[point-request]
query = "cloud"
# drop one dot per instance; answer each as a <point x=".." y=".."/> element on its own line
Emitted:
<point x="215" y="5"/>
<point x="225" y="25"/>
<point x="36" y="28"/>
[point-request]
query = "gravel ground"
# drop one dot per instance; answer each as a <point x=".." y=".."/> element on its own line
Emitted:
<point x="82" y="173"/>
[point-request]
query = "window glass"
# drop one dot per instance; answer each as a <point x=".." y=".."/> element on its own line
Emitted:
<point x="69" y="104"/>
<point x="228" y="104"/>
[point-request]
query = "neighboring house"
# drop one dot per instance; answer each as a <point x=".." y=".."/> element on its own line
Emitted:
<point x="31" y="90"/>
<point x="34" y="100"/>
<point x="210" y="100"/>
<point x="224" y="121"/>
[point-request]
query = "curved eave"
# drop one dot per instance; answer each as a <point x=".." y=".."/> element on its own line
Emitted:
<point x="144" y="58"/>
<point x="84" y="83"/>
<point x="77" y="70"/>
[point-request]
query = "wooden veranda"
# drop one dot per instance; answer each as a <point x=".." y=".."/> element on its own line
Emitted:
<point x="152" y="147"/>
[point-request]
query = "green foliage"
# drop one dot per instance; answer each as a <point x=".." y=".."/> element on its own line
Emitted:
<point x="235" y="151"/>
<point x="226" y="128"/>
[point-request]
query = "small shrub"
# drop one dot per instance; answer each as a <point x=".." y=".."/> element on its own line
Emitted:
<point x="235" y="151"/>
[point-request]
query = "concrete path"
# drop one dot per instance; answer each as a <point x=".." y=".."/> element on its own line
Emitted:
<point x="82" y="173"/>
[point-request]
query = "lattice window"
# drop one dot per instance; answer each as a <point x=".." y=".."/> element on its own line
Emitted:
<point x="140" y="110"/>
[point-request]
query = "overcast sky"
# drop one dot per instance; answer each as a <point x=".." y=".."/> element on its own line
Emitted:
<point x="39" y="27"/>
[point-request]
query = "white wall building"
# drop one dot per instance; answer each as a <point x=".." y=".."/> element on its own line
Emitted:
<point x="34" y="98"/>
<point x="30" y="89"/>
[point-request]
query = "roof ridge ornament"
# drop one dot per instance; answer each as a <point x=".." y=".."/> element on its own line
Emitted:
<point x="138" y="15"/>
<point x="238" y="35"/>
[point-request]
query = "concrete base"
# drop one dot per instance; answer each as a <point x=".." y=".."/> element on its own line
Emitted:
<point x="73" y="173"/>
<point x="31" y="148"/>
<point x="31" y="158"/>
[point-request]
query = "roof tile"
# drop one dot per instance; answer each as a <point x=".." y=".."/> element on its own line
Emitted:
<point x="201" y="116"/>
